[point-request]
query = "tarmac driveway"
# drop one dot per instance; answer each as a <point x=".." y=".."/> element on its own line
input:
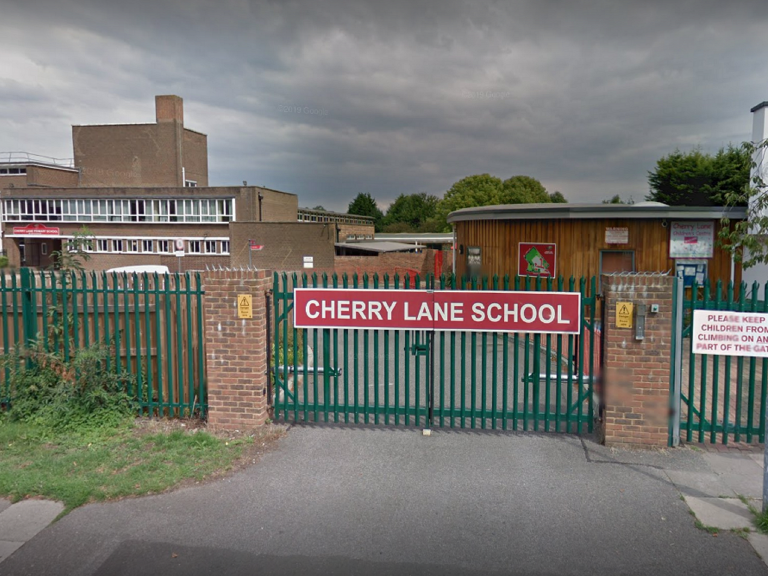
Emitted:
<point x="341" y="500"/>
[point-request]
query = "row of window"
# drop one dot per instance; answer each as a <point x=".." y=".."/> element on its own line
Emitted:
<point x="319" y="216"/>
<point x="12" y="171"/>
<point x="154" y="246"/>
<point x="93" y="210"/>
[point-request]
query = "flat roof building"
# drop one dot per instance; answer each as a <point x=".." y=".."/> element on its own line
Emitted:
<point x="551" y="240"/>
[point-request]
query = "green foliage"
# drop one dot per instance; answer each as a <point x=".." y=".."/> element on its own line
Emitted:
<point x="365" y="205"/>
<point x="107" y="463"/>
<point x="74" y="255"/>
<point x="487" y="190"/>
<point x="412" y="210"/>
<point x="616" y="199"/>
<point x="49" y="391"/>
<point x="3" y="261"/>
<point x="698" y="179"/>
<point x="524" y="190"/>
<point x="557" y="198"/>
<point x="747" y="240"/>
<point x="477" y="190"/>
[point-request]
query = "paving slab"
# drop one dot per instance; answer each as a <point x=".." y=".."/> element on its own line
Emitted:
<point x="758" y="457"/>
<point x="760" y="544"/>
<point x="21" y="521"/>
<point x="749" y="485"/>
<point x="4" y="504"/>
<point x="722" y="513"/>
<point x="8" y="548"/>
<point x="732" y="463"/>
<point x="700" y="484"/>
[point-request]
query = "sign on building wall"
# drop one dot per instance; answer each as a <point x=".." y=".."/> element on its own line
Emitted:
<point x="309" y="261"/>
<point x="462" y="310"/>
<point x="35" y="230"/>
<point x="536" y="259"/>
<point x="178" y="245"/>
<point x="616" y="235"/>
<point x="691" y="239"/>
<point x="730" y="333"/>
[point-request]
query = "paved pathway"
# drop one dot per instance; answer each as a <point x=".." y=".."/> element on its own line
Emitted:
<point x="334" y="500"/>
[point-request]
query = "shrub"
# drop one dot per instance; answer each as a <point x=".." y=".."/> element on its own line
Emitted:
<point x="64" y="394"/>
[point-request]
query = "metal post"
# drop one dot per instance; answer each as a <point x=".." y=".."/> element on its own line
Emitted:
<point x="431" y="400"/>
<point x="249" y="253"/>
<point x="678" y="376"/>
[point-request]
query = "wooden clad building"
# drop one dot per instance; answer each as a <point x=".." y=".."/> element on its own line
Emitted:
<point x="550" y="240"/>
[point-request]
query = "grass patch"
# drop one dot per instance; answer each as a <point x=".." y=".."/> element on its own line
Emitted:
<point x="132" y="458"/>
<point x="711" y="529"/>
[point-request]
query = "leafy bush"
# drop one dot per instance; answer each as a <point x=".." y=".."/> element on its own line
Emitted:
<point x="3" y="261"/>
<point x="79" y="393"/>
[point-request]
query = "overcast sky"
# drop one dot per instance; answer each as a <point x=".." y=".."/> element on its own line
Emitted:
<point x="328" y="98"/>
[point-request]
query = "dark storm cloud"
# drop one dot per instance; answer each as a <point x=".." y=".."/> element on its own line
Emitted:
<point x="330" y="98"/>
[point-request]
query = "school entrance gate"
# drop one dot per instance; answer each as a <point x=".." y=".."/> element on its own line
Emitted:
<point x="427" y="378"/>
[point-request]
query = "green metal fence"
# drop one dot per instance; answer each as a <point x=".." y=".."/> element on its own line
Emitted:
<point x="153" y="325"/>
<point x="415" y="378"/>
<point x="723" y="397"/>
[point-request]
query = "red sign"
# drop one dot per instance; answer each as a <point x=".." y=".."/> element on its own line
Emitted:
<point x="450" y="310"/>
<point x="536" y="259"/>
<point x="35" y="230"/>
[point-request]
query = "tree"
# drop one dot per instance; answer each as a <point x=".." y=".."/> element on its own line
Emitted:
<point x="524" y="190"/>
<point x="75" y="252"/>
<point x="414" y="210"/>
<point x="319" y="207"/>
<point x="617" y="200"/>
<point x="747" y="240"/>
<point x="557" y="198"/>
<point x="365" y="205"/>
<point x="477" y="190"/>
<point x="698" y="179"/>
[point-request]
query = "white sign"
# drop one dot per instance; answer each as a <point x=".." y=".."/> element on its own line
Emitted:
<point x="691" y="239"/>
<point x="179" y="245"/>
<point x="617" y="235"/>
<point x="309" y="261"/>
<point x="730" y="333"/>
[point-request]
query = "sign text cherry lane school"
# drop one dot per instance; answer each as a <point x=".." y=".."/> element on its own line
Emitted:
<point x="459" y="310"/>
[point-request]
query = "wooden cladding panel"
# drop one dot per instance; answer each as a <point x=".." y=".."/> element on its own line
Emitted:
<point x="578" y="245"/>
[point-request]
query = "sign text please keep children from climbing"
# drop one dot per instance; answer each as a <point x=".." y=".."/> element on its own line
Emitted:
<point x="460" y="310"/>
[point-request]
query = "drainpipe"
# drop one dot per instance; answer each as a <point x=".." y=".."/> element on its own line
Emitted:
<point x="260" y="199"/>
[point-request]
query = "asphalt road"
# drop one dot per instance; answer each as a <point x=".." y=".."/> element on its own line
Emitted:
<point x="378" y="501"/>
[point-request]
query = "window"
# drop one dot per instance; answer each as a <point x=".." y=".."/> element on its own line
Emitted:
<point x="190" y="184"/>
<point x="210" y="246"/>
<point x="102" y="245"/>
<point x="194" y="246"/>
<point x="147" y="246"/>
<point x="102" y="210"/>
<point x="163" y="246"/>
<point x="117" y="245"/>
<point x="132" y="245"/>
<point x="225" y="246"/>
<point x="44" y="248"/>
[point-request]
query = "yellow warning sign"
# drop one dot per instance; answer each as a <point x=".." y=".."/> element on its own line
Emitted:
<point x="624" y="314"/>
<point x="244" y="307"/>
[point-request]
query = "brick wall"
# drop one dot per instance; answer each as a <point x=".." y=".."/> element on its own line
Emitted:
<point x="236" y="349"/>
<point x="285" y="244"/>
<point x="344" y="230"/>
<point x="389" y="263"/>
<point x="195" y="157"/>
<point x="42" y="176"/>
<point x="636" y="372"/>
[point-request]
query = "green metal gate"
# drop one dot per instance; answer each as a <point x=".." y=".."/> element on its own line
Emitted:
<point x="723" y="398"/>
<point x="483" y="380"/>
<point x="152" y="323"/>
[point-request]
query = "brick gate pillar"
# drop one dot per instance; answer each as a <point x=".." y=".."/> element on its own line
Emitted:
<point x="637" y="371"/>
<point x="236" y="348"/>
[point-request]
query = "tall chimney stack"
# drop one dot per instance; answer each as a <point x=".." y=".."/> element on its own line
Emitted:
<point x="169" y="108"/>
